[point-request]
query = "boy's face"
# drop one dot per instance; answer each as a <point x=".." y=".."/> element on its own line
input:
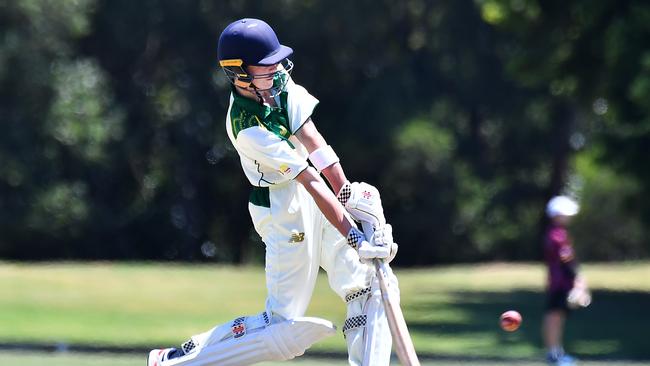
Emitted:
<point x="562" y="220"/>
<point x="263" y="75"/>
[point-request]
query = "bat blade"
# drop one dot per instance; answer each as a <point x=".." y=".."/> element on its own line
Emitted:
<point x="402" y="342"/>
<point x="401" y="337"/>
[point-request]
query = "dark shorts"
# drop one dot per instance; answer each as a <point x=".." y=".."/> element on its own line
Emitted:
<point x="556" y="300"/>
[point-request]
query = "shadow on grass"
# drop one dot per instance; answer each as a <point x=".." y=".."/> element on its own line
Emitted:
<point x="614" y="326"/>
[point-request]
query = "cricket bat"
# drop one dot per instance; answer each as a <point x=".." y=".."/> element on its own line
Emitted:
<point x="402" y="342"/>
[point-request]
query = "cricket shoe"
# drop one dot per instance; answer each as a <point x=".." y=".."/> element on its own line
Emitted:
<point x="564" y="360"/>
<point x="157" y="356"/>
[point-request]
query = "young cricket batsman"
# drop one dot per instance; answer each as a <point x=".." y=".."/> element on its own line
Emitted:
<point x="303" y="223"/>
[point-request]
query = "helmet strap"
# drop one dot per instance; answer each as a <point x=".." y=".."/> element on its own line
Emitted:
<point x="257" y="92"/>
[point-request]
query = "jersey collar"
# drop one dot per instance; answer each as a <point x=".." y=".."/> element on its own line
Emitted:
<point x="261" y="110"/>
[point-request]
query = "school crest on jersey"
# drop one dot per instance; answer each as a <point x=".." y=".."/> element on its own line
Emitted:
<point x="285" y="169"/>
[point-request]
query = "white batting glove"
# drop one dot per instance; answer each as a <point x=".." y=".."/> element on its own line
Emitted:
<point x="382" y="246"/>
<point x="384" y="238"/>
<point x="363" y="202"/>
<point x="366" y="250"/>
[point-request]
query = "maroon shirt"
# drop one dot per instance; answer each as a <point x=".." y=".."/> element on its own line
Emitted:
<point x="559" y="257"/>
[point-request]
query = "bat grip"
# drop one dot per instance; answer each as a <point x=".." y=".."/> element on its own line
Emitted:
<point x="368" y="230"/>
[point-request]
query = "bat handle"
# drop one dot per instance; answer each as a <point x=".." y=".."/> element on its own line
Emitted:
<point x="368" y="230"/>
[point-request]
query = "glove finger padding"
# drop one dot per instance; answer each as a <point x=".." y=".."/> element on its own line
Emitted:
<point x="367" y="251"/>
<point x="363" y="202"/>
<point x="393" y="252"/>
<point x="383" y="235"/>
<point x="384" y="238"/>
<point x="382" y="246"/>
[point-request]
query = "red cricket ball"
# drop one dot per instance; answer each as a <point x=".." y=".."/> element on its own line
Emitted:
<point x="510" y="320"/>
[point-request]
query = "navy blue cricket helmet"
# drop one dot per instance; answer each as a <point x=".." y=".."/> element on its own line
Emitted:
<point x="250" y="42"/>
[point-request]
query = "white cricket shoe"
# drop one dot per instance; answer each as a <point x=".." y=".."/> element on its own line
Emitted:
<point x="157" y="356"/>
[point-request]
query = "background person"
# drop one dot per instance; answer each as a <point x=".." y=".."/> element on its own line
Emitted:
<point x="563" y="278"/>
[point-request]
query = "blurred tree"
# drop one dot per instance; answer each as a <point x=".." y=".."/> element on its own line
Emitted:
<point x="60" y="118"/>
<point x="591" y="57"/>
<point x="606" y="229"/>
<point x="466" y="113"/>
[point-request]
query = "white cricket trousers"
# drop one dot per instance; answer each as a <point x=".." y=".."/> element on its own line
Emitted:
<point x="299" y="240"/>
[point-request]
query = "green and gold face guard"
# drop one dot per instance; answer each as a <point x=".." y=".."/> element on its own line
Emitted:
<point x="237" y="74"/>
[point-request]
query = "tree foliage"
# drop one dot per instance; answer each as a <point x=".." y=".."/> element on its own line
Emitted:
<point x="468" y="115"/>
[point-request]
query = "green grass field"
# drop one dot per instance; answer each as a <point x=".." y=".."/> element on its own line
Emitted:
<point x="452" y="311"/>
<point x="41" y="359"/>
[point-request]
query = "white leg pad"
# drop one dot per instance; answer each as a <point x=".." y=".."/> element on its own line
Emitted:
<point x="366" y="329"/>
<point x="249" y="340"/>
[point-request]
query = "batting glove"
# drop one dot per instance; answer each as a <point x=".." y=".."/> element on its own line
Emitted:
<point x="384" y="238"/>
<point x="363" y="202"/>
<point x="382" y="246"/>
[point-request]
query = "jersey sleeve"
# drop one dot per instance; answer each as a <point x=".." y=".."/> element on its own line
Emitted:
<point x="300" y="105"/>
<point x="562" y="245"/>
<point x="271" y="151"/>
<point x="563" y="251"/>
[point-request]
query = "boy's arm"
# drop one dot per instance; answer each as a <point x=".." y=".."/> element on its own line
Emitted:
<point x="325" y="200"/>
<point x="335" y="213"/>
<point x="361" y="200"/>
<point x="313" y="140"/>
<point x="567" y="258"/>
<point x="331" y="206"/>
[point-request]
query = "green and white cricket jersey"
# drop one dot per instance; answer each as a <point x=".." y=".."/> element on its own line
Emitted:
<point x="298" y="238"/>
<point x="263" y="136"/>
